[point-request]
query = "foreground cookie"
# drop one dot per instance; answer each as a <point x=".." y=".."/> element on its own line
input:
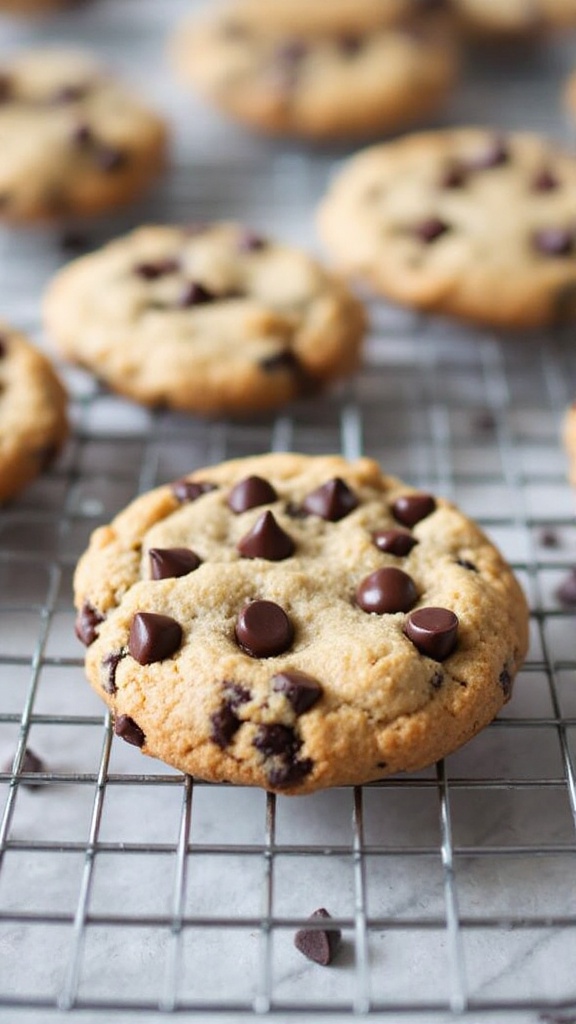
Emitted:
<point x="464" y="222"/>
<point x="206" y="319"/>
<point x="295" y="622"/>
<point x="33" y="421"/>
<point x="511" y="18"/>
<point x="317" y="69"/>
<point x="73" y="140"/>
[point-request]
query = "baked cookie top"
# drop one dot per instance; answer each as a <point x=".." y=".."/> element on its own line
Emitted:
<point x="33" y="419"/>
<point x="297" y="622"/>
<point x="320" y="70"/>
<point x="467" y="222"/>
<point x="73" y="140"/>
<point x="208" y="319"/>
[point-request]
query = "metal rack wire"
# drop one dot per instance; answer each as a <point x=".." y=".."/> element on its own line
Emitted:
<point x="129" y="890"/>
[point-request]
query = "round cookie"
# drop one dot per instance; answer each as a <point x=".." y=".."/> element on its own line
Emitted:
<point x="205" y="319"/>
<point x="297" y="622"/>
<point x="321" y="70"/>
<point x="73" y="140"/>
<point x="33" y="420"/>
<point x="513" y="18"/>
<point x="465" y="222"/>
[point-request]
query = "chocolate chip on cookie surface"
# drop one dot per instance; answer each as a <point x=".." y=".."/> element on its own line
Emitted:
<point x="309" y="670"/>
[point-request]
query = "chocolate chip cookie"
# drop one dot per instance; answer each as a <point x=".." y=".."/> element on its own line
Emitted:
<point x="73" y="140"/>
<point x="207" y="319"/>
<point x="33" y="420"/>
<point x="348" y="68"/>
<point x="297" y="622"/>
<point x="467" y="222"/>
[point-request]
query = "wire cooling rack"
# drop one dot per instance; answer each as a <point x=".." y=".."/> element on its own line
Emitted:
<point x="128" y="892"/>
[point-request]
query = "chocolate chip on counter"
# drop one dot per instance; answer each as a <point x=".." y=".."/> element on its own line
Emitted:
<point x="110" y="159"/>
<point x="249" y="241"/>
<point x="283" y="360"/>
<point x="289" y="773"/>
<point x="332" y="501"/>
<point x="129" y="731"/>
<point x="545" y="181"/>
<point x="251" y="492"/>
<point x="190" y="490"/>
<point x="171" y="563"/>
<point x="273" y="740"/>
<point x="300" y="690"/>
<point x="264" y="630"/>
<point x="394" y="542"/>
<point x="266" y="540"/>
<point x="465" y="564"/>
<point x="387" y="590"/>
<point x="433" y="631"/>
<point x="411" y="508"/>
<point x="224" y="724"/>
<point x="566" y="592"/>
<point x="505" y="680"/>
<point x="151" y="270"/>
<point x="553" y="241"/>
<point x="111" y="662"/>
<point x="318" y="944"/>
<point x="430" y="229"/>
<point x="153" y="637"/>
<point x="195" y="294"/>
<point x="494" y="154"/>
<point x="86" y="621"/>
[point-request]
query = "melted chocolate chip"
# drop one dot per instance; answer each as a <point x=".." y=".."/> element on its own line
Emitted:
<point x="111" y="662"/>
<point x="387" y="590"/>
<point x="505" y="680"/>
<point x="465" y="564"/>
<point x="152" y="270"/>
<point x="266" y="540"/>
<point x="249" y="493"/>
<point x="31" y="765"/>
<point x="186" y="491"/>
<point x="249" y="241"/>
<point x="289" y="773"/>
<point x="272" y="740"/>
<point x="332" y="501"/>
<point x="195" y="294"/>
<point x="171" y="563"/>
<point x="300" y="690"/>
<point x="86" y="621"/>
<point x="494" y="154"/>
<point x="264" y="630"/>
<point x="433" y="631"/>
<point x="430" y="229"/>
<point x="153" y="637"/>
<point x="566" y="592"/>
<point x="545" y="181"/>
<point x="553" y="241"/>
<point x="129" y="731"/>
<point x="224" y="725"/>
<point x="454" y="176"/>
<point x="409" y="509"/>
<point x="284" y="360"/>
<point x="319" y="945"/>
<point x="394" y="542"/>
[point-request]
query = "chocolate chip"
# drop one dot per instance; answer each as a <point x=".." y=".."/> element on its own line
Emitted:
<point x="350" y="45"/>
<point x="110" y="159"/>
<point x="300" y="690"/>
<point x="236" y="694"/>
<point x="545" y="181"/>
<point x="484" y="422"/>
<point x="31" y="765"/>
<point x="465" y="564"/>
<point x="264" y="630"/>
<point x="195" y="294"/>
<point x="409" y="509"/>
<point x="553" y="241"/>
<point x="433" y="631"/>
<point x="273" y="740"/>
<point x="505" y="680"/>
<point x="186" y="491"/>
<point x="394" y="542"/>
<point x="224" y="725"/>
<point x="152" y="270"/>
<point x="430" y="229"/>
<point x="86" y="621"/>
<point x="249" y="493"/>
<point x="111" y="662"/>
<point x="332" y="501"/>
<point x="289" y="773"/>
<point x="319" y="945"/>
<point x="129" y="731"/>
<point x="386" y="591"/>
<point x="153" y="637"/>
<point x="74" y="242"/>
<point x="6" y="88"/>
<point x="82" y="135"/>
<point x="266" y="540"/>
<point x="249" y="241"/>
<point x="171" y="563"/>
<point x="494" y="154"/>
<point x="283" y="360"/>
<point x="70" y="93"/>
<point x="454" y="176"/>
<point x="566" y="592"/>
<point x="437" y="680"/>
<point x="549" y="539"/>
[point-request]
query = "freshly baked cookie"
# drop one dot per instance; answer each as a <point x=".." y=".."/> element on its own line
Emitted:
<point x="569" y="435"/>
<point x="466" y="222"/>
<point x="347" y="68"/>
<point x="297" y="622"/>
<point x="206" y="319"/>
<point x="33" y="421"/>
<point x="512" y="18"/>
<point x="73" y="141"/>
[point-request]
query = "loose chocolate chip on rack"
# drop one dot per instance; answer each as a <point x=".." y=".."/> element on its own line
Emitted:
<point x="433" y="631"/>
<point x="386" y="591"/>
<point x="224" y="724"/>
<point x="505" y="680"/>
<point x="129" y="731"/>
<point x="110" y="663"/>
<point x="266" y="540"/>
<point x="494" y="154"/>
<point x="332" y="501"/>
<point x="566" y="592"/>
<point x="264" y="630"/>
<point x="553" y="241"/>
<point x="300" y="690"/>
<point x="249" y="241"/>
<point x="171" y="563"/>
<point x="548" y="538"/>
<point x="249" y="493"/>
<point x="411" y="508"/>
<point x="152" y="270"/>
<point x="318" y="944"/>
<point x="465" y="564"/>
<point x="545" y="181"/>
<point x="430" y="229"/>
<point x="195" y="294"/>
<point x="31" y="765"/>
<point x="272" y="740"/>
<point x="190" y="490"/>
<point x="86" y="621"/>
<point x="394" y="542"/>
<point x="153" y="637"/>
